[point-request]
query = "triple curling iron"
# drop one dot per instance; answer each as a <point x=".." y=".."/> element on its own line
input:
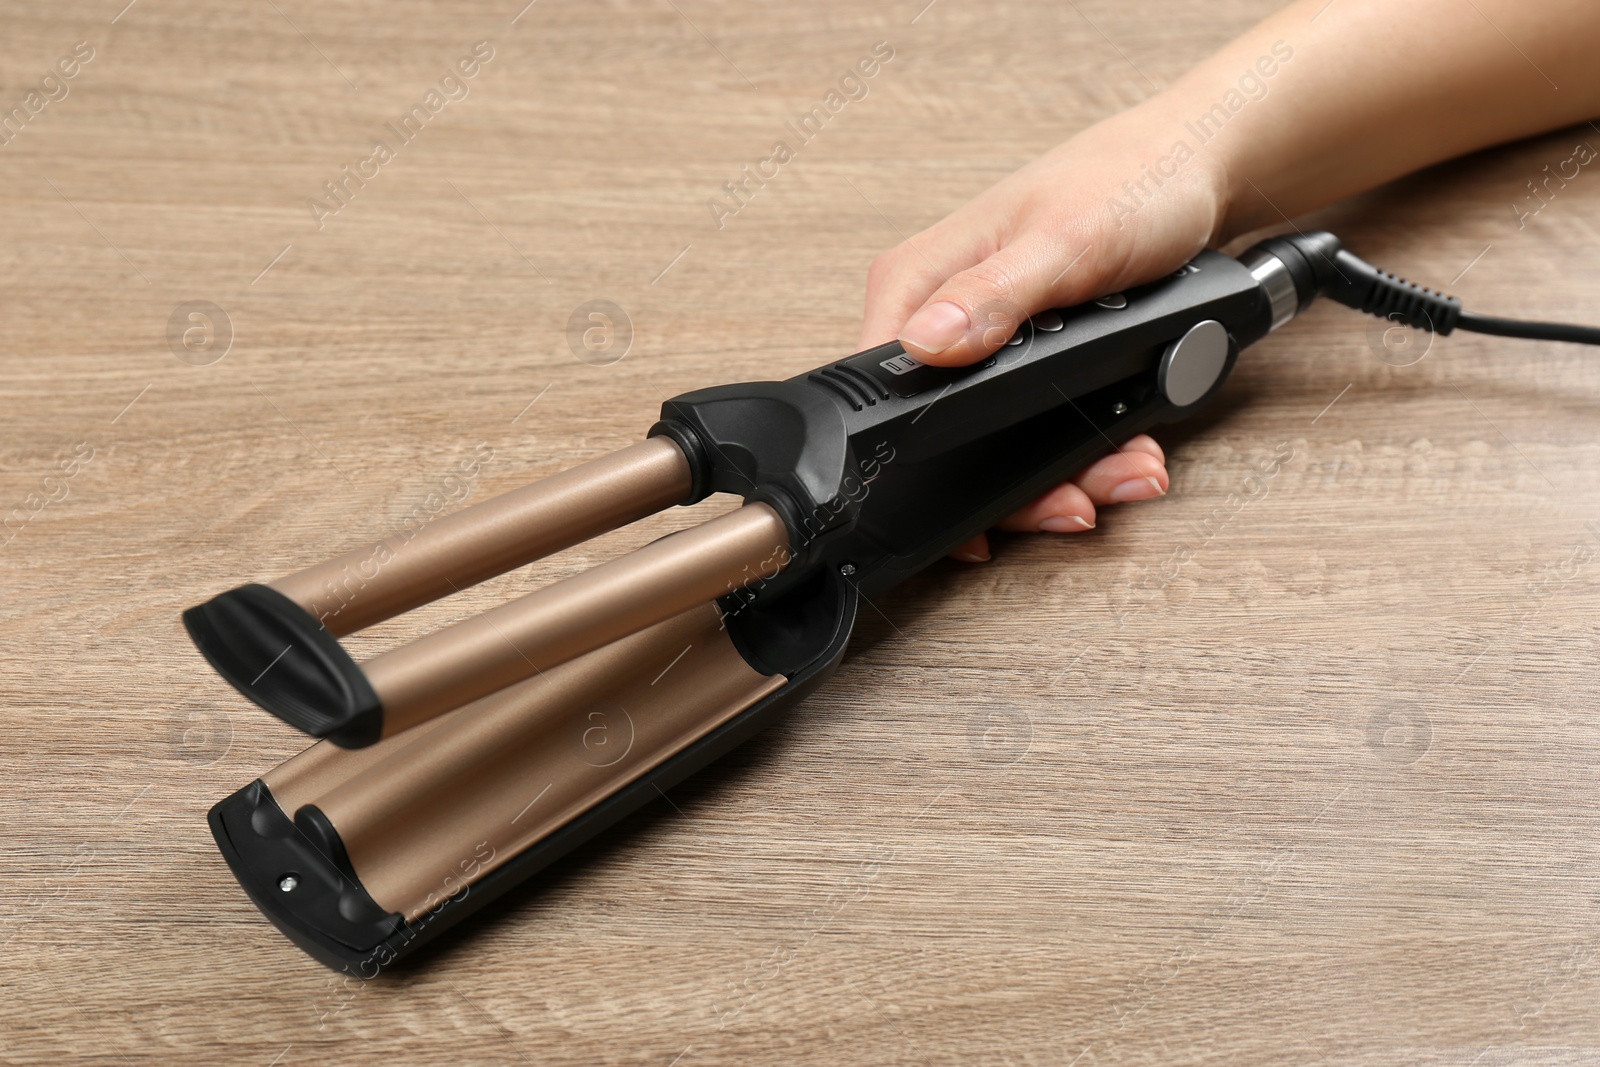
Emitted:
<point x="456" y="766"/>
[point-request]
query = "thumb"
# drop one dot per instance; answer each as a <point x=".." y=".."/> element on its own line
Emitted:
<point x="976" y="311"/>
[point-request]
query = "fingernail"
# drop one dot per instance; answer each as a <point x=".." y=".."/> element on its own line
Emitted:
<point x="1137" y="489"/>
<point x="936" y="327"/>
<point x="1065" y="524"/>
<point x="966" y="555"/>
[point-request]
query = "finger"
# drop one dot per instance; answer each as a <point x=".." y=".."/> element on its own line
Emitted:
<point x="1068" y="508"/>
<point x="901" y="279"/>
<point x="1131" y="474"/>
<point x="1064" y="509"/>
<point x="1144" y="443"/>
<point x="974" y="551"/>
<point x="978" y="309"/>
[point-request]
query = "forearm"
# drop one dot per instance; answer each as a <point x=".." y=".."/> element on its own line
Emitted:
<point x="1363" y="91"/>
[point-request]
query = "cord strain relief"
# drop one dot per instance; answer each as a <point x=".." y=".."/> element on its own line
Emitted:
<point x="1397" y="300"/>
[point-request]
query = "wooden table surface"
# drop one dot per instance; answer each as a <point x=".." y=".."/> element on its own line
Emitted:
<point x="1307" y="779"/>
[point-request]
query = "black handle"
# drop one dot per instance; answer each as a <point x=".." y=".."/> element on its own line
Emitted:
<point x="880" y="464"/>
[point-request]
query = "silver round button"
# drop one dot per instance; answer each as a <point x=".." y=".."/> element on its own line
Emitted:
<point x="1113" y="301"/>
<point x="1193" y="363"/>
<point x="1048" y="320"/>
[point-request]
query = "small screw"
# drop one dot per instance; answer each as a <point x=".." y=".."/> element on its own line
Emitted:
<point x="847" y="569"/>
<point x="288" y="882"/>
<point x="1119" y="408"/>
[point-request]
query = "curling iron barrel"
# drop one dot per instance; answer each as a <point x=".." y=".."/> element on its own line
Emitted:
<point x="374" y="583"/>
<point x="504" y="645"/>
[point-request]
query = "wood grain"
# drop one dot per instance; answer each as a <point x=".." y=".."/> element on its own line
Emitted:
<point x="1319" y="790"/>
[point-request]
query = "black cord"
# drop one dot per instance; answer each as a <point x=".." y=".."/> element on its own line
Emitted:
<point x="1534" y="331"/>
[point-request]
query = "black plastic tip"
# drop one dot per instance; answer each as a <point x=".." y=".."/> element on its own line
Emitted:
<point x="274" y="652"/>
<point x="313" y="896"/>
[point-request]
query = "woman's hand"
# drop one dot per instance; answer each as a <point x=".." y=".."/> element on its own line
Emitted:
<point x="1063" y="229"/>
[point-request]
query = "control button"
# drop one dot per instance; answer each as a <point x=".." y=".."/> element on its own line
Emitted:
<point x="900" y="364"/>
<point x="1193" y="363"/>
<point x="1049" y="321"/>
<point x="1112" y="301"/>
<point x="887" y="370"/>
<point x="1017" y="338"/>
